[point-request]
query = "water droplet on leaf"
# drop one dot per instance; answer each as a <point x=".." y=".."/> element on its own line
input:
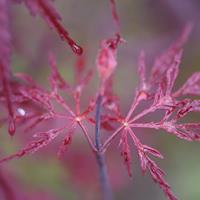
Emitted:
<point x="11" y="127"/>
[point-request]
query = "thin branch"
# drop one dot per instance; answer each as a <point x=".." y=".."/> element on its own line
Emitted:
<point x="145" y="125"/>
<point x="109" y="140"/>
<point x="105" y="186"/>
<point x="87" y="136"/>
<point x="143" y="113"/>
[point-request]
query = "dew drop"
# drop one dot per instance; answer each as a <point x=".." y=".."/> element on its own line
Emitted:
<point x="11" y="127"/>
<point x="21" y="111"/>
<point x="77" y="49"/>
<point x="63" y="33"/>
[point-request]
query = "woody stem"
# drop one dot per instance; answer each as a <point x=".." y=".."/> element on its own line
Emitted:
<point x="104" y="180"/>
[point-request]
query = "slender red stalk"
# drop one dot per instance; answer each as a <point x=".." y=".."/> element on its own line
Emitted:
<point x="60" y="29"/>
<point x="115" y="14"/>
<point x="7" y="94"/>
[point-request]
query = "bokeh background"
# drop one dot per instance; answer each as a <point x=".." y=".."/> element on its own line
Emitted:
<point x="151" y="25"/>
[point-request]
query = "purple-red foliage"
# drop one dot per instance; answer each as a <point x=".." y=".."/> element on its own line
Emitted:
<point x="45" y="9"/>
<point x="5" y="54"/>
<point x="157" y="91"/>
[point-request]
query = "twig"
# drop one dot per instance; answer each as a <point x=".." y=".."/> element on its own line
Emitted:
<point x="104" y="180"/>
